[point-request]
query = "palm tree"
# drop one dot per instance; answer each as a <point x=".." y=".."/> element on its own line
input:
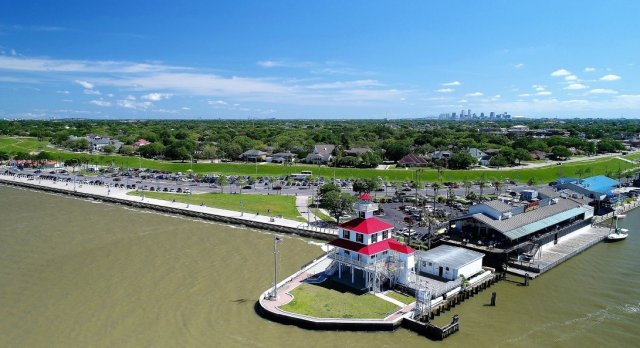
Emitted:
<point x="467" y="187"/>
<point x="436" y="187"/>
<point x="416" y="185"/>
<point x="498" y="186"/>
<point x="481" y="184"/>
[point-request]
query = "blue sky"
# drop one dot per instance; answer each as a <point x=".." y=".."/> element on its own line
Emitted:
<point x="318" y="59"/>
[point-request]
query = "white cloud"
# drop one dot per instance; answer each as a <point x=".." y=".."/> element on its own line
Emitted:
<point x="463" y="101"/>
<point x="63" y="92"/>
<point x="519" y="65"/>
<point x="85" y="84"/>
<point x="539" y="88"/>
<point x="56" y="65"/>
<point x="100" y="103"/>
<point x="345" y="84"/>
<point x="452" y="83"/>
<point x="524" y="95"/>
<point x="444" y="90"/>
<point x="130" y="104"/>
<point x="156" y="96"/>
<point x="602" y="91"/>
<point x="475" y="94"/>
<point x="571" y="77"/>
<point x="543" y="93"/>
<point x="560" y="72"/>
<point x="92" y="92"/>
<point x="575" y="86"/>
<point x="185" y="108"/>
<point x="610" y="77"/>
<point x="216" y="102"/>
<point x="589" y="69"/>
<point x="285" y="64"/>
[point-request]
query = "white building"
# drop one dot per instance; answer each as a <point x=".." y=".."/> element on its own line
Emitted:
<point x="449" y="262"/>
<point x="365" y="253"/>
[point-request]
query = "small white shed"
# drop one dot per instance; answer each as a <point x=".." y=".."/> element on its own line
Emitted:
<point x="449" y="262"/>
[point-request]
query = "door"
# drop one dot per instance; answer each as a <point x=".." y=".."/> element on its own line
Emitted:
<point x="440" y="271"/>
<point x="555" y="239"/>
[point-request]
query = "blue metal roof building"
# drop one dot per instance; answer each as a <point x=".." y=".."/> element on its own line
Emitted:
<point x="595" y="187"/>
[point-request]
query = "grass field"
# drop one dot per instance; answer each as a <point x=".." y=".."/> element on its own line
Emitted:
<point x="322" y="216"/>
<point x="400" y="297"/>
<point x="265" y="205"/>
<point x="541" y="175"/>
<point x="22" y="145"/>
<point x="324" y="302"/>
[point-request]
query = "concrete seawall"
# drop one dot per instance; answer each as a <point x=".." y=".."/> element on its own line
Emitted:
<point x="271" y="225"/>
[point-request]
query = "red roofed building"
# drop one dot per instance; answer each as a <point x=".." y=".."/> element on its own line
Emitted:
<point x="366" y="253"/>
<point x="141" y="142"/>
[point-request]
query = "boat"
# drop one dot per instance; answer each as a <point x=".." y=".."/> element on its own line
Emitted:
<point x="618" y="233"/>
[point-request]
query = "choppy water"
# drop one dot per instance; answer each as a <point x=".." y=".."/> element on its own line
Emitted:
<point x="76" y="274"/>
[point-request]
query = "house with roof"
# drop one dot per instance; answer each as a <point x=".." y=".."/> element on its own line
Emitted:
<point x="449" y="262"/>
<point x="141" y="142"/>
<point x="253" y="155"/>
<point x="357" y="151"/>
<point x="366" y="255"/>
<point x="322" y="154"/>
<point x="283" y="157"/>
<point x="537" y="155"/>
<point x="441" y="155"/>
<point x="480" y="156"/>
<point x="413" y="160"/>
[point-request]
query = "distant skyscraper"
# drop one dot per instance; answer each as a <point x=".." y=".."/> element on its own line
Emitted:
<point x="492" y="114"/>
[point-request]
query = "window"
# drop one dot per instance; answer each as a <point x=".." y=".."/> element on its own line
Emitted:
<point x="347" y="252"/>
<point x="359" y="238"/>
<point x="346" y="234"/>
<point x="385" y="234"/>
<point x="430" y="264"/>
<point x="374" y="238"/>
<point x="424" y="264"/>
<point x="447" y="268"/>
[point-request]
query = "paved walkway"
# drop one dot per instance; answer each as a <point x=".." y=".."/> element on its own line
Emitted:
<point x="121" y="193"/>
<point x="302" y="204"/>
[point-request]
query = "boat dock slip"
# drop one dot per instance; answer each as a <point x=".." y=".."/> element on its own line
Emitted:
<point x="548" y="257"/>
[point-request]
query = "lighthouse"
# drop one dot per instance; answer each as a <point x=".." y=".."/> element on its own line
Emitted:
<point x="366" y="255"/>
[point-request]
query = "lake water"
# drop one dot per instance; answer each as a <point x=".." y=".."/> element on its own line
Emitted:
<point x="75" y="273"/>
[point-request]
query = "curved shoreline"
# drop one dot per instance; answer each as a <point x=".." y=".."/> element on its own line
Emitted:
<point x="119" y="196"/>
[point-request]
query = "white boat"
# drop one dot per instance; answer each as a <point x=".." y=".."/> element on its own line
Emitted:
<point x="621" y="216"/>
<point x="618" y="233"/>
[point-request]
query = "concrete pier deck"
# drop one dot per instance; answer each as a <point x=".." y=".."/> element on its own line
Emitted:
<point x="553" y="255"/>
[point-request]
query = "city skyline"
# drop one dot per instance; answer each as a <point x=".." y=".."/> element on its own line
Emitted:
<point x="317" y="60"/>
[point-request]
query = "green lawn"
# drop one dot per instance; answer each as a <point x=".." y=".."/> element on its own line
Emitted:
<point x="22" y="145"/>
<point x="324" y="302"/>
<point x="541" y="175"/>
<point x="322" y="216"/>
<point x="400" y="297"/>
<point x="271" y="205"/>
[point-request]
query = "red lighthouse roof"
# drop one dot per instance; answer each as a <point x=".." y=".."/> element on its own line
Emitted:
<point x="387" y="244"/>
<point x="366" y="226"/>
<point x="365" y="197"/>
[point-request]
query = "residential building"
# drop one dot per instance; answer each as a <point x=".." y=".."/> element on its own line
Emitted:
<point x="413" y="160"/>
<point x="322" y="154"/>
<point x="253" y="155"/>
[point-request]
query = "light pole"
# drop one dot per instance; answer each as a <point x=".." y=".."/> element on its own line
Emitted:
<point x="276" y="240"/>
